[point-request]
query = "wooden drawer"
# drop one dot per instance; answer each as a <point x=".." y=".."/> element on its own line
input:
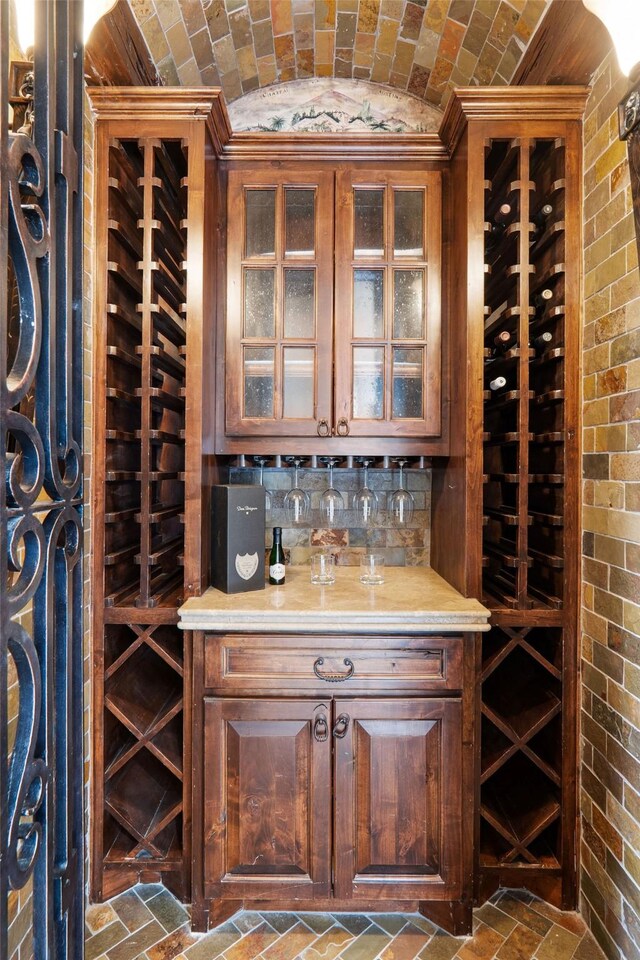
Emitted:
<point x="235" y="663"/>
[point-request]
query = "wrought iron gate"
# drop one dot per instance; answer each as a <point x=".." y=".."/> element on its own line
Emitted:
<point x="41" y="750"/>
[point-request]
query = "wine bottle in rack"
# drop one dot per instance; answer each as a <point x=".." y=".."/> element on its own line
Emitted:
<point x="498" y="225"/>
<point x="502" y="214"/>
<point x="498" y="383"/>
<point x="502" y="342"/>
<point x="542" y="342"/>
<point x="541" y="300"/>
<point x="542" y="215"/>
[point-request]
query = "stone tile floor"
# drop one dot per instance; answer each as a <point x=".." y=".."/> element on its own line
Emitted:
<point x="148" y="923"/>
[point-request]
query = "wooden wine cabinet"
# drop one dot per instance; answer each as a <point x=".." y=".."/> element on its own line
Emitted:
<point x="514" y="478"/>
<point x="155" y="202"/>
<point x="508" y="489"/>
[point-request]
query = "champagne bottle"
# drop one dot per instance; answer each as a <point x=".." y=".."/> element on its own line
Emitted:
<point x="498" y="383"/>
<point x="541" y="343"/>
<point x="501" y="343"/>
<point x="276" y="559"/>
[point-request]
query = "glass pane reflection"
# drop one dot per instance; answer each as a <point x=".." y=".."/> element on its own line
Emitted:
<point x="299" y="382"/>
<point x="368" y="383"/>
<point x="299" y="303"/>
<point x="368" y="303"/>
<point x="260" y="225"/>
<point x="368" y="223"/>
<point x="299" y="219"/>
<point x="259" y="307"/>
<point x="259" y="377"/>
<point x="408" y="223"/>
<point x="408" y="304"/>
<point x="407" y="376"/>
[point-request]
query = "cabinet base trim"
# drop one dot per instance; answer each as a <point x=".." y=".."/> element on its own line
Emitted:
<point x="454" y="916"/>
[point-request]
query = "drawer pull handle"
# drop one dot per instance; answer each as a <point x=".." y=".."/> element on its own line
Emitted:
<point x="341" y="726"/>
<point x="322" y="428"/>
<point x="333" y="677"/>
<point x="321" y="729"/>
<point x="342" y="428"/>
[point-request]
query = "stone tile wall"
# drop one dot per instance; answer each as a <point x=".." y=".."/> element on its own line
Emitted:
<point x="610" y="794"/>
<point x="401" y="546"/>
<point x="425" y="48"/>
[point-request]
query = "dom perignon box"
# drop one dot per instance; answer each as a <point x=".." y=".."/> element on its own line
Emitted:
<point x="237" y="538"/>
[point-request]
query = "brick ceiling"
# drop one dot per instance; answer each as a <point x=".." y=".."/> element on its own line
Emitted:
<point x="425" y="47"/>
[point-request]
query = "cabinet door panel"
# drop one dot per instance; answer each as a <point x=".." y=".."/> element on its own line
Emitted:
<point x="267" y="799"/>
<point x="398" y="799"/>
<point x="388" y="256"/>
<point x="279" y="322"/>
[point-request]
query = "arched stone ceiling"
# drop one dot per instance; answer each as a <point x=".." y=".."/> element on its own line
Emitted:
<point x="425" y="47"/>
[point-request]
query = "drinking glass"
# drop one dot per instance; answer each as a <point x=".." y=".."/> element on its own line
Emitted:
<point x="372" y="568"/>
<point x="401" y="503"/>
<point x="365" y="501"/>
<point x="267" y="496"/>
<point x="331" y="502"/>
<point x="297" y="502"/>
<point x="323" y="568"/>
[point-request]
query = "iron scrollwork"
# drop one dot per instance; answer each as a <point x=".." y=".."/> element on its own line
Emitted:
<point x="41" y="830"/>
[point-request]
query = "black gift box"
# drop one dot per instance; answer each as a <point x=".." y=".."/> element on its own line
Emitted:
<point x="237" y="538"/>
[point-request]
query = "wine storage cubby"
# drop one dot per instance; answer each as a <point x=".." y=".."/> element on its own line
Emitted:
<point x="143" y="521"/>
<point x="529" y="477"/>
<point x="152" y="197"/>
<point x="524" y="374"/>
<point x="521" y="752"/>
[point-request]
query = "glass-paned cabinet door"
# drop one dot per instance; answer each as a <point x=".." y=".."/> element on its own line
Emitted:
<point x="387" y="324"/>
<point x="279" y="303"/>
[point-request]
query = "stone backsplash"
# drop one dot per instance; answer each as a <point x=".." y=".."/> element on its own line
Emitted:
<point x="400" y="546"/>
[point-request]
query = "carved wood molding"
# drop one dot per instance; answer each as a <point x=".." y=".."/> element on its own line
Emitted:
<point x="507" y="103"/>
<point x="166" y="105"/>
<point x="318" y="146"/>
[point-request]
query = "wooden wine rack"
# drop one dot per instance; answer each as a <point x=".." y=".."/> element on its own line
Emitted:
<point x="527" y="453"/>
<point x="152" y="215"/>
<point x="516" y="151"/>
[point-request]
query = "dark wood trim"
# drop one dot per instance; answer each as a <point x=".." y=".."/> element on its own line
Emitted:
<point x="166" y="107"/>
<point x="344" y="146"/>
<point x="494" y="104"/>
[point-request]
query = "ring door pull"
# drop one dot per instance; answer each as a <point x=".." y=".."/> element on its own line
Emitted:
<point x="321" y="729"/>
<point x="322" y="428"/>
<point x="333" y="677"/>
<point x="341" y="726"/>
<point x="342" y="428"/>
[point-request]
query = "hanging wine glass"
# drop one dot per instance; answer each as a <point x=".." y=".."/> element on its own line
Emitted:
<point x="331" y="502"/>
<point x="267" y="496"/>
<point x="401" y="503"/>
<point x="297" y="502"/>
<point x="365" y="502"/>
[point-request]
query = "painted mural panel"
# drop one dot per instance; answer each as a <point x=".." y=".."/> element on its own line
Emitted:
<point x="326" y="105"/>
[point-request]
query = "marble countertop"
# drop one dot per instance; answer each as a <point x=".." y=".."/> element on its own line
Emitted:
<point x="411" y="600"/>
